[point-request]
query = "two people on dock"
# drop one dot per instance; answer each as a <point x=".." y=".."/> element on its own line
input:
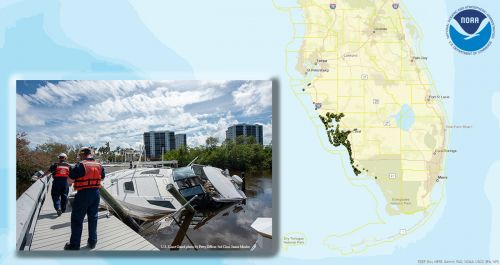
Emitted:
<point x="86" y="177"/>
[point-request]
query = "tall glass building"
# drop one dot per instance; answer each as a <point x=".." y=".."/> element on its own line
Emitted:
<point x="244" y="129"/>
<point x="180" y="140"/>
<point x="157" y="143"/>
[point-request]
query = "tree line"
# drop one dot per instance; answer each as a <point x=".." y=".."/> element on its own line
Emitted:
<point x="32" y="159"/>
<point x="243" y="154"/>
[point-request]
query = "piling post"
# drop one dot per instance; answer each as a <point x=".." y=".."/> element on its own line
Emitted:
<point x="180" y="198"/>
<point x="188" y="217"/>
<point x="119" y="210"/>
<point x="179" y="237"/>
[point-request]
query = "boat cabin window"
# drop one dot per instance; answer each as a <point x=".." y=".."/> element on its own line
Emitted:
<point x="183" y="173"/>
<point x="148" y="172"/>
<point x="198" y="170"/>
<point x="128" y="186"/>
<point x="188" y="182"/>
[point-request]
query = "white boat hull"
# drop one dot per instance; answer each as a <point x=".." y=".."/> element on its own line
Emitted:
<point x="143" y="191"/>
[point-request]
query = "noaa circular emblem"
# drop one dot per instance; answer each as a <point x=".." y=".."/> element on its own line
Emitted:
<point x="470" y="30"/>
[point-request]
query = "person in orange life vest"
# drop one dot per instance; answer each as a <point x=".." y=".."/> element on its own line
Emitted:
<point x="86" y="177"/>
<point x="60" y="188"/>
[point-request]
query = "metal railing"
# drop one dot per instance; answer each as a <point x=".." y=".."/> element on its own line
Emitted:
<point x="28" y="207"/>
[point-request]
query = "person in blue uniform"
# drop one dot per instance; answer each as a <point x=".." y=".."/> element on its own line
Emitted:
<point x="60" y="188"/>
<point x="86" y="177"/>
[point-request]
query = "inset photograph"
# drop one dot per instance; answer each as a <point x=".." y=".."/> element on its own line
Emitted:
<point x="138" y="165"/>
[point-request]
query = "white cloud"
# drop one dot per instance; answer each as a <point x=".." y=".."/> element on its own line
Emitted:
<point x="159" y="100"/>
<point x="253" y="97"/>
<point x="120" y="111"/>
<point x="222" y="126"/>
<point x="25" y="115"/>
<point x="65" y="93"/>
<point x="201" y="132"/>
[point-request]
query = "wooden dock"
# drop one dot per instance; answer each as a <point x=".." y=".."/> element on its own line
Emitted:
<point x="52" y="232"/>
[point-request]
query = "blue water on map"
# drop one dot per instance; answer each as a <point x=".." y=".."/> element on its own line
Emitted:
<point x="405" y="117"/>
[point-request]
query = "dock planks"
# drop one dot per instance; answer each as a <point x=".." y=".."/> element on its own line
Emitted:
<point x="53" y="232"/>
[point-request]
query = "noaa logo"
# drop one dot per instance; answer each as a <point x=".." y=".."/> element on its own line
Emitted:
<point x="470" y="30"/>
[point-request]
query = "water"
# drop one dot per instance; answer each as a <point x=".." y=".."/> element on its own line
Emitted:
<point x="405" y="118"/>
<point x="229" y="226"/>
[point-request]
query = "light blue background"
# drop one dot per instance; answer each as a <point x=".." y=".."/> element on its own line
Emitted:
<point x="245" y="40"/>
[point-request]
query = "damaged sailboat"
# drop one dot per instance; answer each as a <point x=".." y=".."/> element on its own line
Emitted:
<point x="143" y="191"/>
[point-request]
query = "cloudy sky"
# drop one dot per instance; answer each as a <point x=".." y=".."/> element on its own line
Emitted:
<point x="94" y="112"/>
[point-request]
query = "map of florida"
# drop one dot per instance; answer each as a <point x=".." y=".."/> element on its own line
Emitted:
<point x="375" y="96"/>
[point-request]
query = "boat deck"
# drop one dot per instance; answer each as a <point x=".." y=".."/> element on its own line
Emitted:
<point x="52" y="232"/>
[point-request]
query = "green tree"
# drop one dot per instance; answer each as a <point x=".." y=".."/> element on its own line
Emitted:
<point x="30" y="160"/>
<point x="52" y="149"/>
<point x="212" y="142"/>
<point x="243" y="154"/>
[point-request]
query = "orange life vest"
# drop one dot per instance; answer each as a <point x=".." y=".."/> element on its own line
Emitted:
<point x="62" y="170"/>
<point x="92" y="178"/>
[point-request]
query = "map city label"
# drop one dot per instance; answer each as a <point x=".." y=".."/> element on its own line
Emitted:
<point x="445" y="151"/>
<point x="379" y="29"/>
<point x="438" y="97"/>
<point x="414" y="58"/>
<point x="442" y="177"/>
<point x="461" y="126"/>
<point x="320" y="70"/>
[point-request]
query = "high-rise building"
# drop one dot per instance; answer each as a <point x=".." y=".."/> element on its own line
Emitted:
<point x="244" y="129"/>
<point x="180" y="140"/>
<point x="157" y="143"/>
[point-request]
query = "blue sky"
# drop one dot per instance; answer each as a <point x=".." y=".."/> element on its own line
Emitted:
<point x="93" y="112"/>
